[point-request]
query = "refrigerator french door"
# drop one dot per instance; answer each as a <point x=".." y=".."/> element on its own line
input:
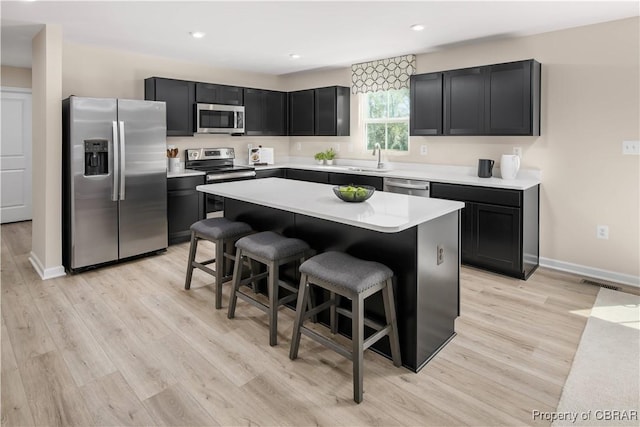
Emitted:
<point x="114" y="180"/>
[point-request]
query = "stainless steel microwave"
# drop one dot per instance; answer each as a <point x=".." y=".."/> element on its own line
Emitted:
<point x="216" y="118"/>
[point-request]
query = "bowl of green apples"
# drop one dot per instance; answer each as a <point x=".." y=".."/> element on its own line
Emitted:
<point x="353" y="193"/>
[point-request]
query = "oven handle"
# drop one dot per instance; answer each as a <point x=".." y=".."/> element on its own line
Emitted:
<point x="222" y="176"/>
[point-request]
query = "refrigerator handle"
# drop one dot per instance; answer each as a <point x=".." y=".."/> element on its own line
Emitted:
<point x="116" y="163"/>
<point x="122" y="161"/>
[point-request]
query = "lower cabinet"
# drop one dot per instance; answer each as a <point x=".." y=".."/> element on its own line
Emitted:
<point x="185" y="205"/>
<point x="270" y="173"/>
<point x="307" y="175"/>
<point x="499" y="227"/>
<point x="347" y="178"/>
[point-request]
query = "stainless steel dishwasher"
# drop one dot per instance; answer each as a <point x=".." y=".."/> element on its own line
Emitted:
<point x="412" y="187"/>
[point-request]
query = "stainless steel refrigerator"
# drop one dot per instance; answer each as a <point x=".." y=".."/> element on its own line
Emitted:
<point x="114" y="180"/>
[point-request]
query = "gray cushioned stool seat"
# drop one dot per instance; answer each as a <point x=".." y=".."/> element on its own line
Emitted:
<point x="219" y="228"/>
<point x="272" y="246"/>
<point x="346" y="271"/>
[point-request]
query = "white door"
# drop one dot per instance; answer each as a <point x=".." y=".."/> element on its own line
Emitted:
<point x="15" y="155"/>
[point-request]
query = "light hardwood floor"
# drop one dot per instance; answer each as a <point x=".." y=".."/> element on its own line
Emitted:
<point x="127" y="345"/>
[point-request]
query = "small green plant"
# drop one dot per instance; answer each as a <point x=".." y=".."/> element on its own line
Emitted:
<point x="330" y="154"/>
<point x="320" y="156"/>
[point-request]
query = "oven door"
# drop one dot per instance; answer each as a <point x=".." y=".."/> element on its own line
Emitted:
<point x="215" y="204"/>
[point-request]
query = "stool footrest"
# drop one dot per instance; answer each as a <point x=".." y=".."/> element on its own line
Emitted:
<point x="368" y="322"/>
<point x="252" y="301"/>
<point x="342" y="350"/>
<point x="204" y="268"/>
<point x="250" y="279"/>
<point x="287" y="286"/>
<point x="317" y="309"/>
<point x="375" y="337"/>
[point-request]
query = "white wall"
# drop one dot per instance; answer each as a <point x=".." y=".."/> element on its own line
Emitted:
<point x="15" y="77"/>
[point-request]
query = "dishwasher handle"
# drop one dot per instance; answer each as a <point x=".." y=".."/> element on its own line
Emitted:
<point x="424" y="186"/>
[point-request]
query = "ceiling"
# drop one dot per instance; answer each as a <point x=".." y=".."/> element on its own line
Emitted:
<point x="260" y="35"/>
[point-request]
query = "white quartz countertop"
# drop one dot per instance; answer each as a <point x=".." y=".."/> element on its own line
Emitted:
<point x="182" y="173"/>
<point x="384" y="212"/>
<point x="446" y="174"/>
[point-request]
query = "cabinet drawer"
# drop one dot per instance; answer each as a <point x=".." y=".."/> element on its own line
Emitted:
<point x="469" y="193"/>
<point x="186" y="183"/>
<point x="347" y="179"/>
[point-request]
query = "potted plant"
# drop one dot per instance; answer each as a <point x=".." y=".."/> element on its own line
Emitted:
<point x="329" y="155"/>
<point x="320" y="157"/>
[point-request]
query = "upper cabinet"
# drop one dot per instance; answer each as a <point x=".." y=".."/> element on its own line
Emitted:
<point x="219" y="94"/>
<point x="426" y="104"/>
<point x="179" y="96"/>
<point x="323" y="111"/>
<point x="500" y="99"/>
<point x="265" y="112"/>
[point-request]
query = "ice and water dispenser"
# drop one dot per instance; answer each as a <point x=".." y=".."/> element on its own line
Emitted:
<point x="96" y="157"/>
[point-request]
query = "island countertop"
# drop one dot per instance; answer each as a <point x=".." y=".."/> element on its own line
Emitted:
<point x="383" y="212"/>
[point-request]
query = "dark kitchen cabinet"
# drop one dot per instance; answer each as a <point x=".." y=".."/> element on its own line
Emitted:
<point x="337" y="178"/>
<point x="322" y="111"/>
<point x="219" y="94"/>
<point x="512" y="99"/>
<point x="426" y="104"/>
<point x="499" y="227"/>
<point x="301" y="112"/>
<point x="265" y="112"/>
<point x="179" y="96"/>
<point x="308" y="175"/>
<point x="499" y="99"/>
<point x="270" y="173"/>
<point x="185" y="206"/>
<point x="464" y="101"/>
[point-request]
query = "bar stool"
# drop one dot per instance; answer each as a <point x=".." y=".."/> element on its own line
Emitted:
<point x="272" y="250"/>
<point x="344" y="275"/>
<point x="223" y="233"/>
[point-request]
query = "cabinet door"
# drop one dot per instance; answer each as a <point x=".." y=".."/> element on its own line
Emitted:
<point x="274" y="113"/>
<point x="311" y="176"/>
<point x="346" y="179"/>
<point x="426" y="104"/>
<point x="508" y="99"/>
<point x="301" y="118"/>
<point x="179" y="97"/>
<point x="497" y="241"/>
<point x="184" y="207"/>
<point x="230" y="95"/>
<point x="207" y="93"/>
<point x="464" y="93"/>
<point x="253" y="111"/>
<point x="270" y="173"/>
<point x="466" y="231"/>
<point x="325" y="111"/>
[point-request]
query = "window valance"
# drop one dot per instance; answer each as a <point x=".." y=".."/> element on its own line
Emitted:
<point x="383" y="74"/>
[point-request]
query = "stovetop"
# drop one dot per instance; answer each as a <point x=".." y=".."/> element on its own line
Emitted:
<point x="218" y="160"/>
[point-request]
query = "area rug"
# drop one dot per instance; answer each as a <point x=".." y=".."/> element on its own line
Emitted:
<point x="602" y="388"/>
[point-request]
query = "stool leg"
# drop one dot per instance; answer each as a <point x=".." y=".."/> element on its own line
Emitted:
<point x="237" y="276"/>
<point x="192" y="257"/>
<point x="390" y="314"/>
<point x="303" y="290"/>
<point x="333" y="316"/>
<point x="220" y="261"/>
<point x="357" y="333"/>
<point x="273" y="302"/>
<point x="254" y="266"/>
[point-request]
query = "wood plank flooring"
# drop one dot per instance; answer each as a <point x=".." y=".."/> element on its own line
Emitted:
<point x="127" y="345"/>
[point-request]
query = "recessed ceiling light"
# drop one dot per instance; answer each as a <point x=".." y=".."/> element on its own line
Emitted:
<point x="417" y="27"/>
<point x="197" y="34"/>
<point x="294" y="56"/>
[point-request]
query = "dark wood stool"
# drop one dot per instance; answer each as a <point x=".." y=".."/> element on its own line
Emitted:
<point x="224" y="234"/>
<point x="344" y="275"/>
<point x="272" y="250"/>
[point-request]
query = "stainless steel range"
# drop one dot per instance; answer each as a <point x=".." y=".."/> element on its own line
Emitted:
<point x="218" y="163"/>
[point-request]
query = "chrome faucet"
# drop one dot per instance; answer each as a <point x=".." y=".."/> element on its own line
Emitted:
<point x="377" y="148"/>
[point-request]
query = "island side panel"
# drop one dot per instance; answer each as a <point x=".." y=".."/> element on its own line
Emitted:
<point x="438" y="286"/>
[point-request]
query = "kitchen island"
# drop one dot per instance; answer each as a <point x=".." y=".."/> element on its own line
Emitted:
<point x="418" y="238"/>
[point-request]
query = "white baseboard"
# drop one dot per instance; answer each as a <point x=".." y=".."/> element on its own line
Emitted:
<point x="596" y="273"/>
<point x="45" y="273"/>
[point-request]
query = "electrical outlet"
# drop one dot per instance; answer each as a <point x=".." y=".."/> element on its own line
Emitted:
<point x="423" y="150"/>
<point x="631" y="147"/>
<point x="517" y="151"/>
<point x="299" y="146"/>
<point x="440" y="254"/>
<point x="602" y="232"/>
<point x="336" y="147"/>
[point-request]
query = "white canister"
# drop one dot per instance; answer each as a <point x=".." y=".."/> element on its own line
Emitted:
<point x="509" y="166"/>
<point x="174" y="164"/>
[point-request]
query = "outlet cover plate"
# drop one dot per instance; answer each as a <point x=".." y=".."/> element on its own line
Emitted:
<point x="631" y="147"/>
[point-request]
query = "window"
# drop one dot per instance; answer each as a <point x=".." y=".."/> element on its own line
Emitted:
<point x="386" y="119"/>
